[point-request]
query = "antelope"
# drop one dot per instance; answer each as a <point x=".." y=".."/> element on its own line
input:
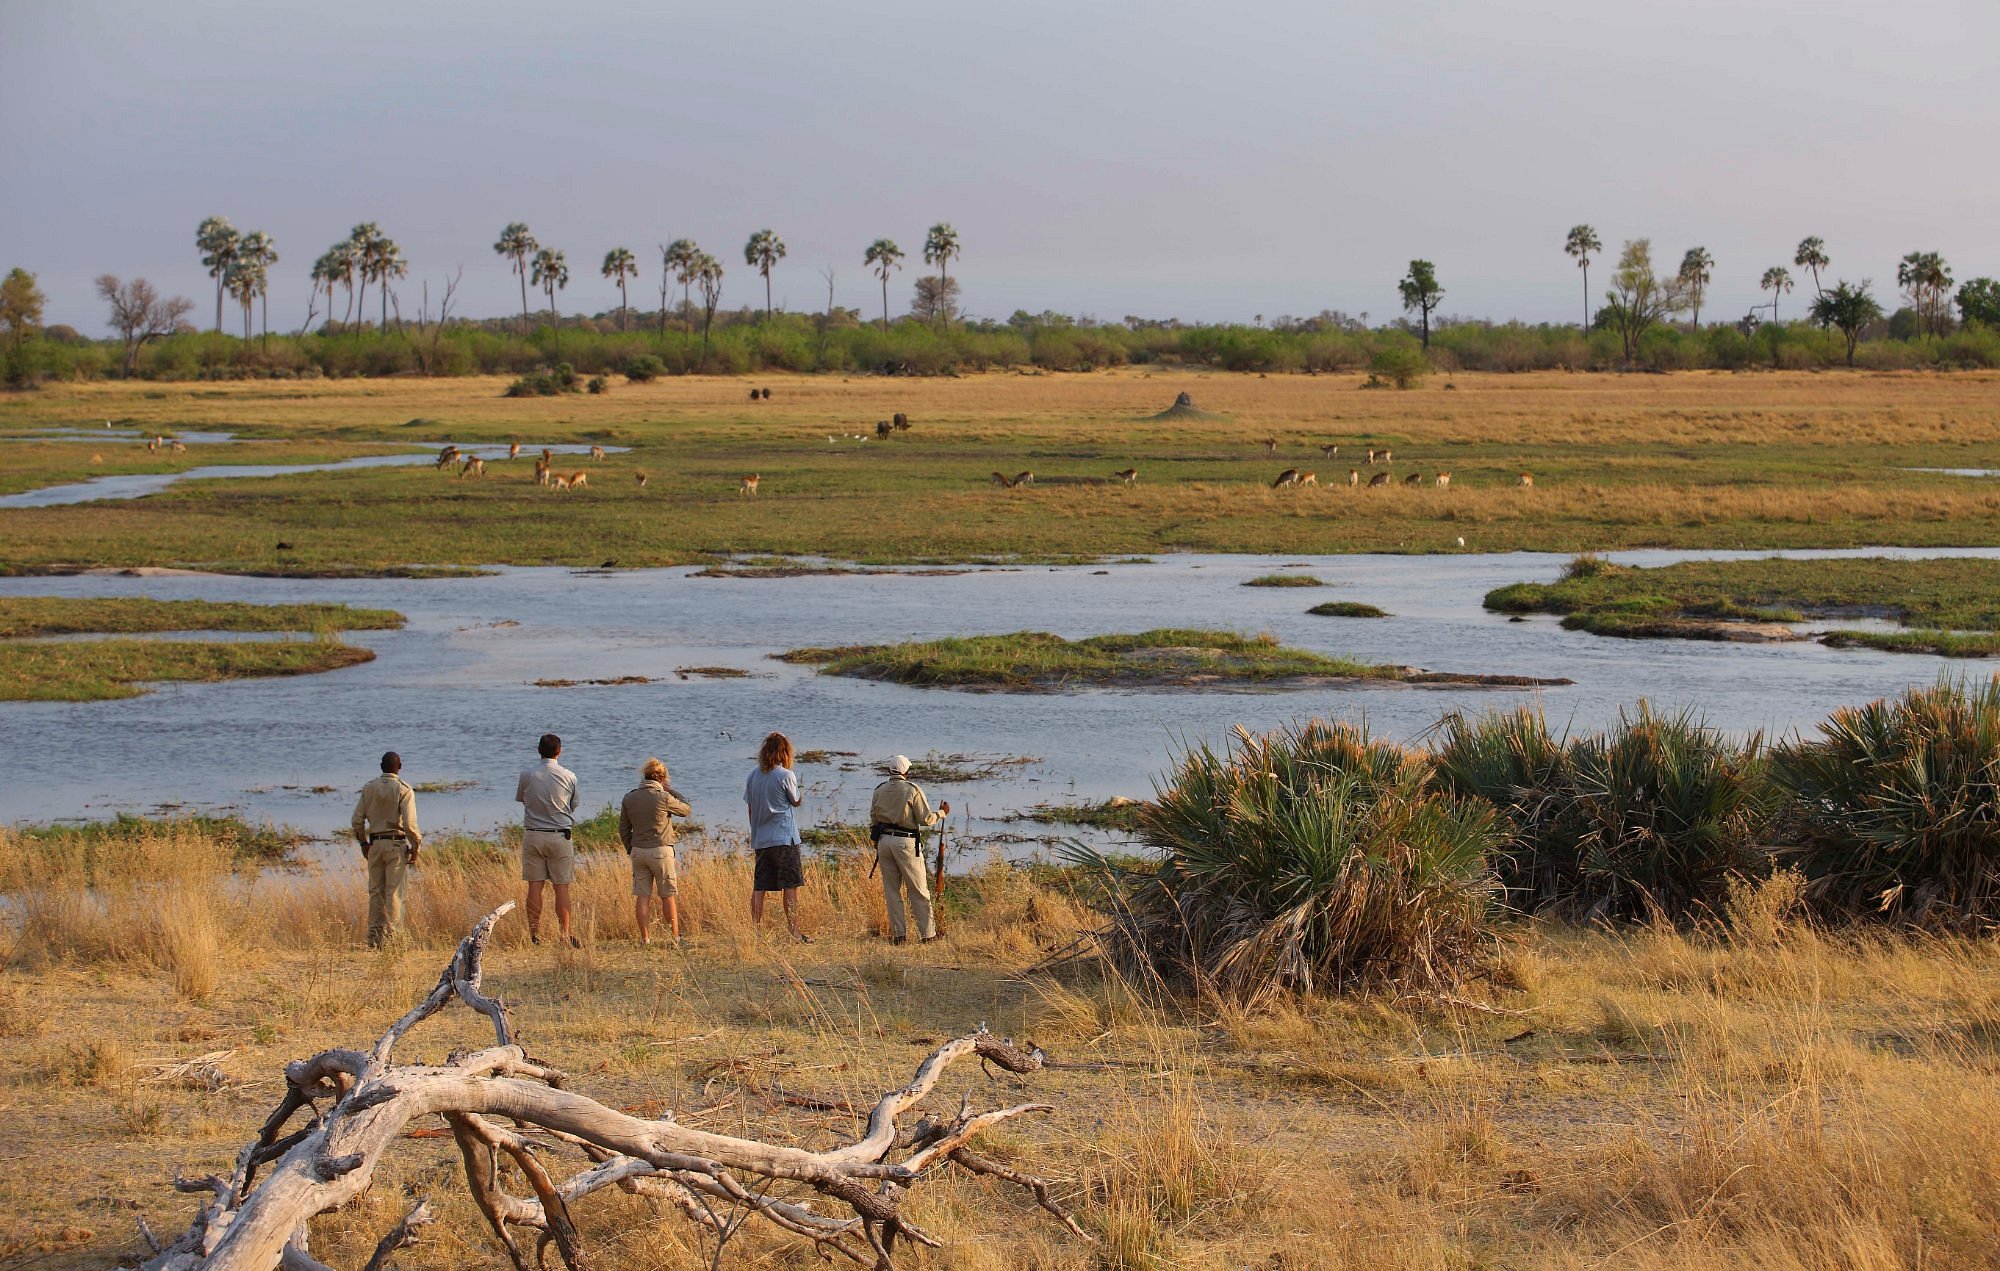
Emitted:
<point x="179" y="446"/>
<point x="1130" y="476"/>
<point x="1289" y="476"/>
<point x="559" y="482"/>
<point x="901" y="421"/>
<point x="1329" y="451"/>
<point x="1371" y="456"/>
<point x="1388" y="456"/>
<point x="152" y="443"/>
<point x="1415" y="478"/>
<point x="1443" y="480"/>
<point x="575" y="481"/>
<point x="1354" y="476"/>
<point x="548" y="455"/>
<point x="1380" y="478"/>
<point x="883" y="427"/>
<point x="541" y="472"/>
<point x="1525" y="479"/>
<point x="474" y="467"/>
<point x="514" y="450"/>
<point x="1000" y="479"/>
<point x="640" y="477"/>
<point x="597" y="452"/>
<point x="447" y="457"/>
<point x="748" y="485"/>
<point x="1309" y="478"/>
<point x="1024" y="478"/>
<point x="1270" y="445"/>
<point x="97" y="458"/>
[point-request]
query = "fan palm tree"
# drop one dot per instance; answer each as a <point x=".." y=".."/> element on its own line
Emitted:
<point x="1582" y="241"/>
<point x="764" y="250"/>
<point x="327" y="272"/>
<point x="382" y="259"/>
<point x="940" y="247"/>
<point x="1697" y="269"/>
<point x="361" y="241"/>
<point x="680" y="257"/>
<point x="707" y="271"/>
<point x="550" y="271"/>
<point x="884" y="256"/>
<point x="260" y="250"/>
<point x="218" y="242"/>
<point x="1812" y="256"/>
<point x="517" y="244"/>
<point x="620" y="263"/>
<point x="1777" y="281"/>
<point x="241" y="284"/>
<point x="1926" y="278"/>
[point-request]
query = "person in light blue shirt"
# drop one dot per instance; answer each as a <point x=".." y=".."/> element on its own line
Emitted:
<point x="772" y="796"/>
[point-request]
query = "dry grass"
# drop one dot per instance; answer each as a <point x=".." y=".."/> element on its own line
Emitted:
<point x="1698" y="460"/>
<point x="1776" y="1097"/>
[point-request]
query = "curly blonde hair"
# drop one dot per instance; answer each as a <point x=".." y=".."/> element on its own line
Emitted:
<point x="653" y="770"/>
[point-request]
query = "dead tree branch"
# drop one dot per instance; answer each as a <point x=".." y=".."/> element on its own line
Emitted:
<point x="359" y="1104"/>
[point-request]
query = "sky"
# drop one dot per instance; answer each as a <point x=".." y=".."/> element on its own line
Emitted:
<point x="1211" y="162"/>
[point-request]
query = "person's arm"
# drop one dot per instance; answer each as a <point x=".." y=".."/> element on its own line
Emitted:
<point x="625" y="824"/>
<point x="406" y="812"/>
<point x="676" y="805"/>
<point x="791" y="786"/>
<point x="361" y="821"/>
<point x="521" y="788"/>
<point x="575" y="795"/>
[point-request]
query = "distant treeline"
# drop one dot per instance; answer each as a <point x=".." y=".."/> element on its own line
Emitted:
<point x="749" y="341"/>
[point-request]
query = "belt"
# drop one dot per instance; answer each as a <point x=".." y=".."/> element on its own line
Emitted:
<point x="533" y="830"/>
<point x="892" y="832"/>
<point x="377" y="838"/>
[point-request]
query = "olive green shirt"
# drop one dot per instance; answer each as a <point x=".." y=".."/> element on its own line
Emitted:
<point x="387" y="806"/>
<point x="645" y="818"/>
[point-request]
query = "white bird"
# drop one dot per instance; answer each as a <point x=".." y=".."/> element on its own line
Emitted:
<point x="1461" y="540"/>
<point x="829" y="439"/>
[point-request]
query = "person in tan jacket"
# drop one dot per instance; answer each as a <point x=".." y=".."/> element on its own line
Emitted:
<point x="385" y="826"/>
<point x="646" y="828"/>
<point x="898" y="814"/>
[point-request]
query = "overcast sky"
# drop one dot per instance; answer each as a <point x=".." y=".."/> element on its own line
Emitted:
<point x="1209" y="161"/>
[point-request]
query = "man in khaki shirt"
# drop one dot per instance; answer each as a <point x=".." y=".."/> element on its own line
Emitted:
<point x="897" y="813"/>
<point x="646" y="828"/>
<point x="385" y="825"/>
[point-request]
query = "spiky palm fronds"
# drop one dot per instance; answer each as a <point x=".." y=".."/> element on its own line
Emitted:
<point x="1512" y="761"/>
<point x="1307" y="859"/>
<point x="1894" y="809"/>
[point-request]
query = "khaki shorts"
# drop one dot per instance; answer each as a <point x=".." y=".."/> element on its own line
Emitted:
<point x="547" y="857"/>
<point x="653" y="869"/>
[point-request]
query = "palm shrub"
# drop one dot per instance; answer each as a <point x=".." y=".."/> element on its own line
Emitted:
<point x="1891" y="810"/>
<point x="1667" y="810"/>
<point x="1307" y="859"/>
<point x="1512" y="761"/>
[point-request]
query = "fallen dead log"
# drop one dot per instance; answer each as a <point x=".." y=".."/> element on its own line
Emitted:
<point x="359" y="1104"/>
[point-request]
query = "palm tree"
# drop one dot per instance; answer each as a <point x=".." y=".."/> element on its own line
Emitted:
<point x="517" y="244"/>
<point x="327" y="272"/>
<point x="1582" y="241"/>
<point x="680" y="256"/>
<point x="1697" y="269"/>
<point x="218" y="242"/>
<point x="1777" y="281"/>
<point x="884" y="256"/>
<point x="350" y="267"/>
<point x="940" y="246"/>
<point x="764" y="250"/>
<point x="1812" y="255"/>
<point x="550" y="272"/>
<point x="707" y="271"/>
<point x="382" y="260"/>
<point x="1926" y="278"/>
<point x="260" y="250"/>
<point x="621" y="264"/>
<point x="241" y="284"/>
<point x="361" y="242"/>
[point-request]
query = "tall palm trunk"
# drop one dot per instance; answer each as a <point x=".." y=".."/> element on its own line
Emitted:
<point x="624" y="309"/>
<point x="767" y="295"/>
<point x="521" y="268"/>
<point x="885" y="302"/>
<point x="1586" y="293"/>
<point x="384" y="289"/>
<point x="361" y="305"/>
<point x="555" y="319"/>
<point x="218" y="302"/>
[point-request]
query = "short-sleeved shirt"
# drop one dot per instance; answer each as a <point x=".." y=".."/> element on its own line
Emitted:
<point x="772" y="799"/>
<point x="548" y="793"/>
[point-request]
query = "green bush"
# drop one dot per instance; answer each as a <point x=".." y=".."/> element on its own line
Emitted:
<point x="1308" y="859"/>
<point x="644" y="369"/>
<point x="598" y="384"/>
<point x="1893" y="810"/>
<point x="1400" y="365"/>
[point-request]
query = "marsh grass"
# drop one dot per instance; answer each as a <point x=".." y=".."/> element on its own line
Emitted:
<point x="1814" y="1099"/>
<point x="1283" y="580"/>
<point x="1346" y="609"/>
<point x="1037" y="660"/>
<point x="105" y="670"/>
<point x="1698" y="460"/>
<point x="126" y="615"/>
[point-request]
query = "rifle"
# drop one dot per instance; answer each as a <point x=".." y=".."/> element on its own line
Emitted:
<point x="937" y="891"/>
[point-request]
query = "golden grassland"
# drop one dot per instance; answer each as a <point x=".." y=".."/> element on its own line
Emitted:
<point x="1690" y="460"/>
<point x="1765" y="1095"/>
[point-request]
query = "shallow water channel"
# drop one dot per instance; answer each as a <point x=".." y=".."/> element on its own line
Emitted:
<point x="454" y="691"/>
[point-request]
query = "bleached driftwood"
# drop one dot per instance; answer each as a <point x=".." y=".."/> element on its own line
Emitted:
<point x="359" y="1103"/>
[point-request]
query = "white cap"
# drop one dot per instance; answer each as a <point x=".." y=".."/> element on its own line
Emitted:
<point x="899" y="764"/>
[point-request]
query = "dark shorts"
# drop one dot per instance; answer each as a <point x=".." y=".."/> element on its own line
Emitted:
<point x="779" y="868"/>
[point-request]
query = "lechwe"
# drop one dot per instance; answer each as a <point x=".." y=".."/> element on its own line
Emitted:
<point x="1525" y="479"/>
<point x="597" y="452"/>
<point x="1288" y="477"/>
<point x="1130" y="476"/>
<point x="747" y="485"/>
<point x="474" y="467"/>
<point x="1443" y="480"/>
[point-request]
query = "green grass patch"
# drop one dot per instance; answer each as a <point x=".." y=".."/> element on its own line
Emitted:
<point x="103" y="670"/>
<point x="131" y="615"/>
<point x="1111" y="814"/>
<point x="1039" y="661"/>
<point x="1699" y="599"/>
<point x="1283" y="580"/>
<point x="1945" y="644"/>
<point x="1347" y="609"/>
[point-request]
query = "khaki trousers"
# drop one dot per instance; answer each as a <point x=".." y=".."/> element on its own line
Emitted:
<point x="901" y="868"/>
<point x="388" y="882"/>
